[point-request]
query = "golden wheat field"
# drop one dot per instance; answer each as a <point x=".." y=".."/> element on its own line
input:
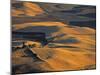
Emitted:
<point x="50" y="37"/>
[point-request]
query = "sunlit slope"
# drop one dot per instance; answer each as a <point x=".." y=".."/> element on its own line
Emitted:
<point x="26" y="9"/>
<point x="64" y="59"/>
<point x="57" y="59"/>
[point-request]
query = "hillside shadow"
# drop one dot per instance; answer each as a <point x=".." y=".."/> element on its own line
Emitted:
<point x="48" y="30"/>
